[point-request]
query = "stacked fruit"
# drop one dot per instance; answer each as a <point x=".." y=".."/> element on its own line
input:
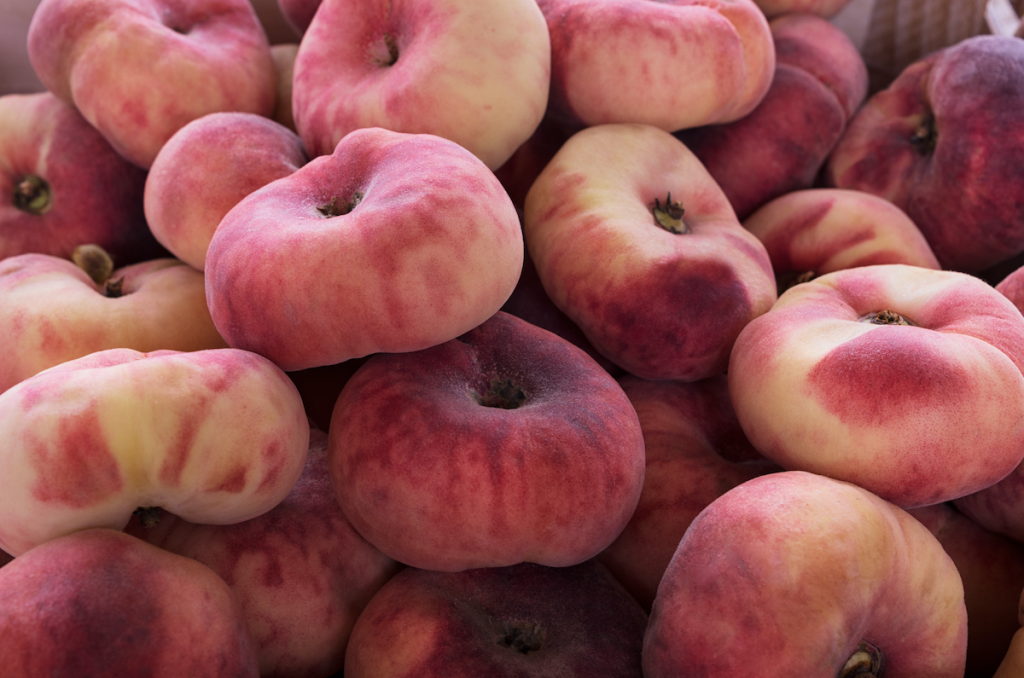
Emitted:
<point x="508" y="337"/>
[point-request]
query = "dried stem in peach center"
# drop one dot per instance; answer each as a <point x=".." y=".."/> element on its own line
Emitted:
<point x="33" y="194"/>
<point x="887" y="317"/>
<point x="670" y="215"/>
<point x="865" y="662"/>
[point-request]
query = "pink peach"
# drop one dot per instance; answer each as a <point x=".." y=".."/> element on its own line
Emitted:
<point x="395" y="242"/>
<point x="139" y="70"/>
<point x="215" y="436"/>
<point x="637" y="244"/>
<point x="796" y="574"/>
<point x="206" y="168"/>
<point x="301" y="573"/>
<point x="815" y="231"/>
<point x="887" y="376"/>
<point x="671" y="64"/>
<point x="54" y="312"/>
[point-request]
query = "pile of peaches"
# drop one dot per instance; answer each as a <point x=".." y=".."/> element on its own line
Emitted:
<point x="509" y="338"/>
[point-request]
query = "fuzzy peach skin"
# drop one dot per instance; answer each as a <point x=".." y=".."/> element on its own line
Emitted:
<point x="780" y="146"/>
<point x="100" y="602"/>
<point x="991" y="567"/>
<point x="943" y="143"/>
<point x="506" y="622"/>
<point x="695" y="451"/>
<point x="819" y="387"/>
<point x="815" y="231"/>
<point x="206" y="168"/>
<point x="671" y="64"/>
<point x="300" y="571"/>
<point x="139" y="70"/>
<point x="505" y="445"/>
<point x="395" y="242"/>
<point x="474" y="72"/>
<point x="54" y="312"/>
<point x="788" y="574"/>
<point x="216" y="436"/>
<point x="62" y="185"/>
<point x="659" y="304"/>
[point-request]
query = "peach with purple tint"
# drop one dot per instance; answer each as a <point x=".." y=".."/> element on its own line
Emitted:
<point x="943" y="143"/>
<point x="503" y="622"/>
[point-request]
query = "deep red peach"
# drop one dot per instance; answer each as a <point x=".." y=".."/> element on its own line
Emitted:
<point x="991" y="567"/>
<point x="63" y="185"/>
<point x="100" y="602"/>
<point x="504" y="445"/>
<point x="499" y="622"/>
